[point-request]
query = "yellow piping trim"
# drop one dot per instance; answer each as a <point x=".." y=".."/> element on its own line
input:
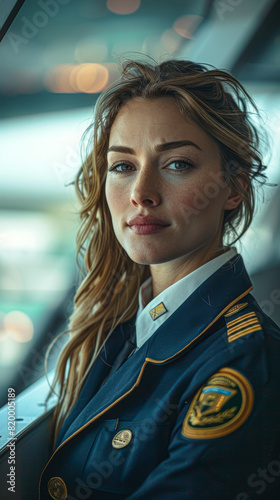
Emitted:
<point x="147" y="360"/>
<point x="253" y="321"/>
<point x="245" y="332"/>
<point x="94" y="418"/>
<point x="210" y="324"/>
<point x="241" y="318"/>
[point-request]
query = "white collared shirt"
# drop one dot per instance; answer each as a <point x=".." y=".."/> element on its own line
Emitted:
<point x="172" y="297"/>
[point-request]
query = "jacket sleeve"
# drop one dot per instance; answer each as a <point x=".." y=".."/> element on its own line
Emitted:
<point x="225" y="444"/>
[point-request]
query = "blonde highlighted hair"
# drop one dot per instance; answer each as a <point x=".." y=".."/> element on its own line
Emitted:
<point x="108" y="293"/>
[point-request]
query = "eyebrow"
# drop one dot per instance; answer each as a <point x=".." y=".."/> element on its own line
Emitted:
<point x="160" y="147"/>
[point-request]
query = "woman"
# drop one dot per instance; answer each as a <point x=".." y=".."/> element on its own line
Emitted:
<point x="172" y="384"/>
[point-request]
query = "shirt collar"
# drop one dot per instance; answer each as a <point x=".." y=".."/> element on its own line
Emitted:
<point x="152" y="313"/>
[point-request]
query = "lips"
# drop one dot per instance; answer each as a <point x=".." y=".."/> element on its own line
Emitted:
<point x="144" y="220"/>
<point x="146" y="224"/>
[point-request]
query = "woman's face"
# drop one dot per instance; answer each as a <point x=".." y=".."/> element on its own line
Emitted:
<point x="165" y="171"/>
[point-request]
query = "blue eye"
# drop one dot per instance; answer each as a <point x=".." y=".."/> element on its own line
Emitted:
<point x="120" y="167"/>
<point x="180" y="165"/>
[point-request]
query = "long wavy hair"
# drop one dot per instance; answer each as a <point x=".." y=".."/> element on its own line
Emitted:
<point x="108" y="293"/>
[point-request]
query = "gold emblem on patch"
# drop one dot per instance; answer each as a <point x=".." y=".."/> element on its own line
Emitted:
<point x="57" y="488"/>
<point x="158" y="311"/>
<point x="220" y="406"/>
<point x="235" y="309"/>
<point x="122" y="439"/>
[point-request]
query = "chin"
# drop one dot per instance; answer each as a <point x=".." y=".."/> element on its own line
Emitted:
<point x="150" y="259"/>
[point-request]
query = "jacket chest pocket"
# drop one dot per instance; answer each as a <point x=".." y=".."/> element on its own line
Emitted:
<point x="120" y="459"/>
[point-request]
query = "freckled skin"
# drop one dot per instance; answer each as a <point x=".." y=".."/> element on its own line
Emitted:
<point x="152" y="184"/>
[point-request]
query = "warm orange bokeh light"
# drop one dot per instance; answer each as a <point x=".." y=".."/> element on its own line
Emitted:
<point x="123" y="6"/>
<point x="91" y="78"/>
<point x="18" y="326"/>
<point x="57" y="80"/>
<point x="185" y="26"/>
<point x="3" y="333"/>
<point x="72" y="78"/>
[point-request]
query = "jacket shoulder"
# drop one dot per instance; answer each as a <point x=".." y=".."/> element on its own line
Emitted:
<point x="246" y="318"/>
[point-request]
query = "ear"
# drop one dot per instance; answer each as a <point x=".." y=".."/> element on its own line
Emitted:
<point x="234" y="198"/>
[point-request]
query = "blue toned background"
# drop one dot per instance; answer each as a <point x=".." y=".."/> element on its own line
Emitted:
<point x="55" y="59"/>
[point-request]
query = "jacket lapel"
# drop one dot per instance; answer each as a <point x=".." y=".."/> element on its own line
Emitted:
<point x="115" y="388"/>
<point x="202" y="309"/>
<point x="97" y="374"/>
<point x="206" y="304"/>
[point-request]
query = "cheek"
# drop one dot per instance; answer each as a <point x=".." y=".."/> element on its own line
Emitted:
<point x="113" y="198"/>
<point x="190" y="200"/>
<point x="206" y="198"/>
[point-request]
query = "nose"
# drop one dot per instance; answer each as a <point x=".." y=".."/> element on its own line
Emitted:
<point x="145" y="190"/>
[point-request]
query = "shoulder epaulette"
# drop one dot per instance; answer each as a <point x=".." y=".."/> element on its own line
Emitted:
<point x="242" y="325"/>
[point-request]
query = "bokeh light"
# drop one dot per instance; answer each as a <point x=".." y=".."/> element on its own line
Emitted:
<point x="92" y="78"/>
<point x="58" y="79"/>
<point x="123" y="6"/>
<point x="11" y="353"/>
<point x="185" y="26"/>
<point x="71" y="78"/>
<point x="18" y="326"/>
<point x="3" y="332"/>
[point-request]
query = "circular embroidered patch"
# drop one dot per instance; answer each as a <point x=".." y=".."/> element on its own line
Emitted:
<point x="220" y="406"/>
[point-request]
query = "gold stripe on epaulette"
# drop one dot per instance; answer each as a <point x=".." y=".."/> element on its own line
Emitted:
<point x="253" y="321"/>
<point x="256" y="328"/>
<point x="248" y="323"/>
<point x="241" y="318"/>
<point x="236" y="308"/>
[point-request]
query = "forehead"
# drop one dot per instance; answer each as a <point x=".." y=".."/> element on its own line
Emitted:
<point x="155" y="120"/>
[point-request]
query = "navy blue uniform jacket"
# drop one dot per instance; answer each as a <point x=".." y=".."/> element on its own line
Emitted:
<point x="198" y="403"/>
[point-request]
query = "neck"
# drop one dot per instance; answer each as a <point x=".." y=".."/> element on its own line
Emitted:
<point x="168" y="273"/>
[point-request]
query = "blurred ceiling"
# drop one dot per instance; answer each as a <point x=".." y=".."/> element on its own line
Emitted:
<point x="58" y="53"/>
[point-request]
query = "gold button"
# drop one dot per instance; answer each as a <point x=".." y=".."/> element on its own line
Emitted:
<point x="57" y="488"/>
<point x="122" y="439"/>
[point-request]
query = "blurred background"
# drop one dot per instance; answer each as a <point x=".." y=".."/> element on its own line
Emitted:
<point x="56" y="56"/>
